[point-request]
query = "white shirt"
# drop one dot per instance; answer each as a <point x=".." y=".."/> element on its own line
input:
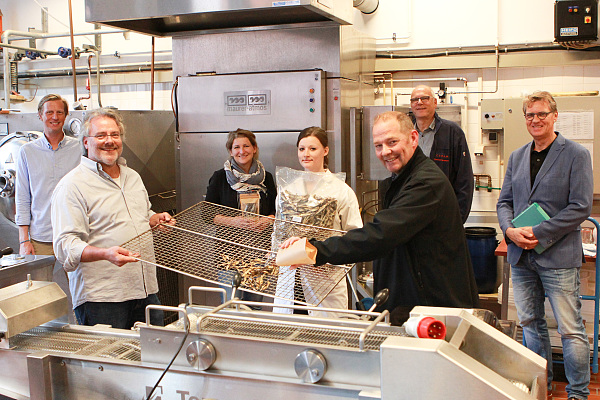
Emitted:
<point x="89" y="208"/>
<point x="347" y="217"/>
<point x="39" y="169"/>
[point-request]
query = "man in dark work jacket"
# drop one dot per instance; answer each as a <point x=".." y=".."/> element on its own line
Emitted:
<point x="445" y="143"/>
<point x="417" y="240"/>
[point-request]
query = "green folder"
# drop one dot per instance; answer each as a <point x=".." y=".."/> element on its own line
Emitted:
<point x="531" y="216"/>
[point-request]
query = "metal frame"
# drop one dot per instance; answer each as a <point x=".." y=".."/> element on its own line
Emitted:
<point x="596" y="299"/>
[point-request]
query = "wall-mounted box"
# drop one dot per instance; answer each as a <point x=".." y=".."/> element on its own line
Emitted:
<point x="575" y="20"/>
<point x="492" y="114"/>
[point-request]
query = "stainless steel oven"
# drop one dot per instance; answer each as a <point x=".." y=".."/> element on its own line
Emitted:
<point x="276" y="106"/>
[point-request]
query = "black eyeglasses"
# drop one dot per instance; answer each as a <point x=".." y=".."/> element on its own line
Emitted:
<point x="424" y="99"/>
<point x="541" y="115"/>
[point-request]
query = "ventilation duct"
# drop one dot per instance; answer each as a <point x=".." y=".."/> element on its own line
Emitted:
<point x="178" y="17"/>
<point x="366" y="6"/>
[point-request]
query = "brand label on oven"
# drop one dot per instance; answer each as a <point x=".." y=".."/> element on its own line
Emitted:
<point x="252" y="102"/>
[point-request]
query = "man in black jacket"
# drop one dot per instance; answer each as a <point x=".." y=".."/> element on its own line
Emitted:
<point x="445" y="143"/>
<point x="417" y="239"/>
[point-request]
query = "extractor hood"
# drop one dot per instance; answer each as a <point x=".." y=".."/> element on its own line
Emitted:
<point x="176" y="17"/>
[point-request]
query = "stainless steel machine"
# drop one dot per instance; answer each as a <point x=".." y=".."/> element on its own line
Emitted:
<point x="275" y="106"/>
<point x="9" y="151"/>
<point x="15" y="268"/>
<point x="306" y="76"/>
<point x="232" y="353"/>
<point x="148" y="148"/>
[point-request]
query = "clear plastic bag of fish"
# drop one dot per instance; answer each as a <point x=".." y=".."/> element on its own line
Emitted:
<point x="302" y="198"/>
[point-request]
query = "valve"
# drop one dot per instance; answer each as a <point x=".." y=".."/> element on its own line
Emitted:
<point x="64" y="52"/>
<point x="32" y="55"/>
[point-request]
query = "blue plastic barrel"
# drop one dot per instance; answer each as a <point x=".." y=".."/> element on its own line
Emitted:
<point x="482" y="244"/>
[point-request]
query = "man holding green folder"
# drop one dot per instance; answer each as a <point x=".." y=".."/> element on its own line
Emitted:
<point x="546" y="195"/>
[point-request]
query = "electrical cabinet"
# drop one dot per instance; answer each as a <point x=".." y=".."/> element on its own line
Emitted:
<point x="575" y="20"/>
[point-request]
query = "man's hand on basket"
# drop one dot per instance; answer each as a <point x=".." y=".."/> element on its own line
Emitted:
<point x="287" y="244"/>
<point x="161" y="218"/>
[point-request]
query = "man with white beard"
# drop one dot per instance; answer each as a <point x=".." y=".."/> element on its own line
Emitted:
<point x="96" y="207"/>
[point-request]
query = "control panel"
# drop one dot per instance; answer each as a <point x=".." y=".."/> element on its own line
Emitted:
<point x="575" y="20"/>
<point x="492" y="114"/>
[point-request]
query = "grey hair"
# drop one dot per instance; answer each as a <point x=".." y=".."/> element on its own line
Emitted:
<point x="99" y="112"/>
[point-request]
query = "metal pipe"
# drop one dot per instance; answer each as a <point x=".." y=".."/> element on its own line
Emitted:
<point x="89" y="80"/>
<point x="35" y="35"/>
<point x="461" y="52"/>
<point x="152" y="77"/>
<point x="98" y="76"/>
<point x="6" y="57"/>
<point x="420" y="79"/>
<point x="113" y="68"/>
<point x="363" y="335"/>
<point x="489" y="181"/>
<point x="27" y="35"/>
<point x="497" y="74"/>
<point x="6" y="38"/>
<point x="72" y="51"/>
<point x="12" y="46"/>
<point x="391" y="89"/>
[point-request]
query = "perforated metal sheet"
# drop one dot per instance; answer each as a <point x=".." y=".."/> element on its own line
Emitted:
<point x="342" y="337"/>
<point x="210" y="242"/>
<point x="42" y="339"/>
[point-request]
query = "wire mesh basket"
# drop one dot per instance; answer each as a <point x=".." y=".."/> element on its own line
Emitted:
<point x="212" y="242"/>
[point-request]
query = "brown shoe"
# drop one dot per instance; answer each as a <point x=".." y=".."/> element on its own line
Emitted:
<point x="549" y="395"/>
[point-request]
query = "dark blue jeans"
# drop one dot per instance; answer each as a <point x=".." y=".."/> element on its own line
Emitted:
<point x="120" y="315"/>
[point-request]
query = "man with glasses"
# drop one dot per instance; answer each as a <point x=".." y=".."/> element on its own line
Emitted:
<point x="444" y="142"/>
<point x="556" y="173"/>
<point x="96" y="207"/>
<point x="40" y="165"/>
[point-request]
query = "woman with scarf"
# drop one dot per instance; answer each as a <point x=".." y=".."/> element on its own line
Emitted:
<point x="242" y="173"/>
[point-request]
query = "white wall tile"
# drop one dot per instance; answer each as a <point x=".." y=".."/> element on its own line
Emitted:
<point x="511" y="76"/>
<point x="553" y="71"/>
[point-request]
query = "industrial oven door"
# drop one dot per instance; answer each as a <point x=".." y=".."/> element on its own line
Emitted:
<point x="266" y="102"/>
<point x="276" y="106"/>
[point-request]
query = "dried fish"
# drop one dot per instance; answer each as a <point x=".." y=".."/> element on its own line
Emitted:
<point x="256" y="273"/>
<point x="313" y="210"/>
